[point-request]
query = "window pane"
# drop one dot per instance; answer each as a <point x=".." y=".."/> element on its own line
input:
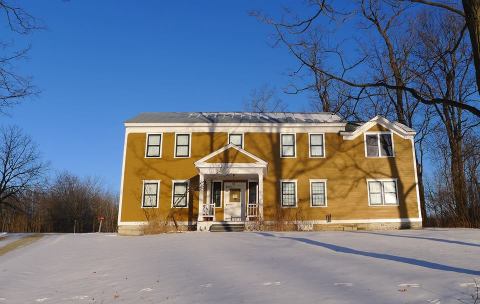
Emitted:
<point x="182" y="139"/>
<point x="389" y="187"/>
<point x="372" y="145"/>
<point x="288" y="139"/>
<point x="390" y="198"/>
<point x="153" y="151"/>
<point x="316" y="151"/>
<point x="252" y="193"/>
<point x="150" y="188"/>
<point x="236" y="139"/>
<point x="316" y="139"/>
<point x="386" y="145"/>
<point x="150" y="201"/>
<point x="182" y="151"/>
<point x="288" y="151"/>
<point x="375" y="187"/>
<point x="180" y="188"/>
<point x="180" y="201"/>
<point x="375" y="198"/>
<point x="154" y="139"/>
<point x="288" y="193"/>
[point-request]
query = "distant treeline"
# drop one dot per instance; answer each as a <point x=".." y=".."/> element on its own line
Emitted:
<point x="68" y="204"/>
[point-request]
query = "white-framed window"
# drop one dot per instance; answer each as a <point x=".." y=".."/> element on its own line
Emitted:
<point x="236" y="139"/>
<point x="216" y="193"/>
<point x="379" y="144"/>
<point x="316" y="142"/>
<point x="150" y="193"/>
<point x="153" y="145"/>
<point x="182" y="144"/>
<point x="287" y="145"/>
<point x="180" y="194"/>
<point x="288" y="193"/>
<point x="382" y="192"/>
<point x="318" y="193"/>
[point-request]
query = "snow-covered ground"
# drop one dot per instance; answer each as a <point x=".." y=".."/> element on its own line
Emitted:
<point x="426" y="266"/>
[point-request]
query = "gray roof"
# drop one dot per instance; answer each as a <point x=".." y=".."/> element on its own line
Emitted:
<point x="236" y="117"/>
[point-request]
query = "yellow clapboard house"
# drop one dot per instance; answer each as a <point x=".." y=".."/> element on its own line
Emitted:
<point x="304" y="171"/>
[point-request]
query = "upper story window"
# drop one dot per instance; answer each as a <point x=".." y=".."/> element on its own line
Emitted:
<point x="180" y="194"/>
<point x="288" y="193"/>
<point x="150" y="194"/>
<point x="379" y="144"/>
<point x="317" y="146"/>
<point x="154" y="145"/>
<point x="287" y="145"/>
<point x="382" y="192"/>
<point x="236" y="139"/>
<point x="182" y="145"/>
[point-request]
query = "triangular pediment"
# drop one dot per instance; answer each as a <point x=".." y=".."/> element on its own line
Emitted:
<point x="231" y="154"/>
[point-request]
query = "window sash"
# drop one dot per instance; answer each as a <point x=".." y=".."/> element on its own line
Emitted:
<point x="180" y="198"/>
<point x="316" y="148"/>
<point x="386" y="146"/>
<point x="236" y="139"/>
<point x="371" y="140"/>
<point x="288" y="149"/>
<point x="318" y="193"/>
<point x="153" y="147"/>
<point x="150" y="197"/>
<point x="182" y="147"/>
<point x="252" y="193"/>
<point x="289" y="194"/>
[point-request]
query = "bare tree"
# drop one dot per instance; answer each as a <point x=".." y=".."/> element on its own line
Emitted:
<point x="264" y="99"/>
<point x="21" y="167"/>
<point x="14" y="86"/>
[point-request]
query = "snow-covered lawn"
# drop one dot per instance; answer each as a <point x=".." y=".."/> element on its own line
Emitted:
<point x="426" y="266"/>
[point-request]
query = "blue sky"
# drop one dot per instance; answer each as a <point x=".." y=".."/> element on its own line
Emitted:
<point x="99" y="63"/>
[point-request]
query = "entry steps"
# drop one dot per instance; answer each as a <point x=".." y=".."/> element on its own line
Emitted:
<point x="227" y="227"/>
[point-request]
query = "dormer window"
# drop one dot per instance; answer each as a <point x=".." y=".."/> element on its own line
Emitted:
<point x="379" y="144"/>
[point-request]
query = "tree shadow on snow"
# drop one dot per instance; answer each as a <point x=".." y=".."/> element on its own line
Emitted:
<point x="425" y="238"/>
<point x="382" y="256"/>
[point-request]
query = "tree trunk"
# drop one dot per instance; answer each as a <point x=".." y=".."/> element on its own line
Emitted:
<point x="472" y="19"/>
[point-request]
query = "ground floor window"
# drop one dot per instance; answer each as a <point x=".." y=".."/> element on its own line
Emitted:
<point x="180" y="194"/>
<point x="288" y="193"/>
<point x="382" y="192"/>
<point x="150" y="194"/>
<point x="318" y="193"/>
<point x="252" y="193"/>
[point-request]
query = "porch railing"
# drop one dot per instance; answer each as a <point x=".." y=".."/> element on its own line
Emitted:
<point x="252" y="211"/>
<point x="208" y="211"/>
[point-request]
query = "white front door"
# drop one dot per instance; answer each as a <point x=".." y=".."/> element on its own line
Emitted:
<point x="234" y="201"/>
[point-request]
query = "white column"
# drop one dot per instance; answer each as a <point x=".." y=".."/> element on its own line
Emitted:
<point x="260" y="195"/>
<point x="201" y="185"/>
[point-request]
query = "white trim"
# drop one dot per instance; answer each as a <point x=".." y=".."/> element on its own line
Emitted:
<point x="236" y="133"/>
<point x="189" y="145"/>
<point x="144" y="128"/>
<point x="311" y="197"/>
<point x="416" y="178"/>
<point x="161" y="144"/>
<point x="232" y="124"/>
<point x="174" y="181"/>
<point x="310" y="147"/>
<point x="281" y="192"/>
<point x="155" y="181"/>
<point x="202" y="162"/>
<point x="294" y="145"/>
<point x="392" y="126"/>
<point x="381" y="180"/>
<point x="378" y="133"/>
<point x="120" y="200"/>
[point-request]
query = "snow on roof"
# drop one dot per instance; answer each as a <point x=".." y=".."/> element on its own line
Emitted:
<point x="236" y="117"/>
